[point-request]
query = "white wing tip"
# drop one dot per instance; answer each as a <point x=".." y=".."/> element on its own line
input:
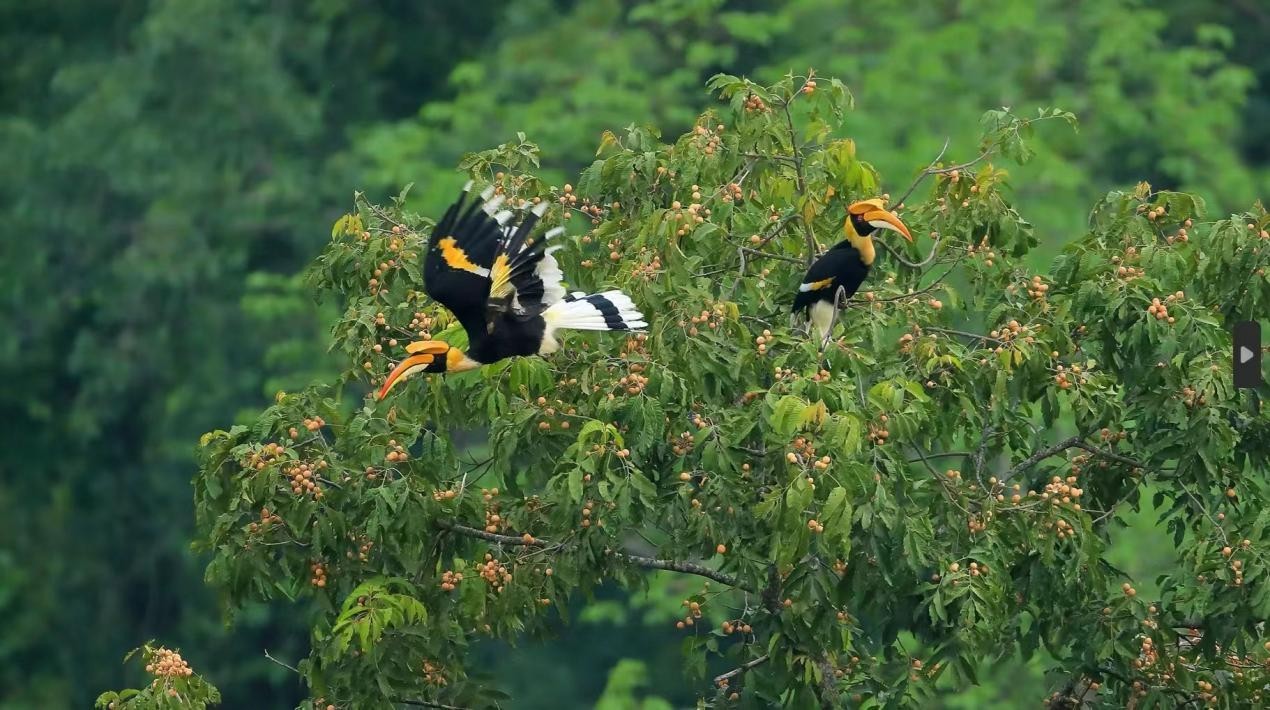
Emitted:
<point x="503" y="217"/>
<point x="468" y="186"/>
<point x="486" y="193"/>
<point x="492" y="204"/>
<point x="540" y="209"/>
<point x="553" y="232"/>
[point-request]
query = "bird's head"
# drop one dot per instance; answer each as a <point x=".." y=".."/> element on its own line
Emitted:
<point x="428" y="356"/>
<point x="866" y="216"/>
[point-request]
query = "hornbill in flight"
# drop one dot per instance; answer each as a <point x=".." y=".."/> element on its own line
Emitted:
<point x="504" y="290"/>
<point x="846" y="265"/>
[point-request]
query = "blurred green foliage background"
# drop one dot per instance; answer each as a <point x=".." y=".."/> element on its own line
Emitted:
<point x="171" y="165"/>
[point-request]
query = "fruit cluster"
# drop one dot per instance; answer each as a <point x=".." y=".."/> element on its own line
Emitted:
<point x="495" y="574"/>
<point x="1192" y="398"/>
<point x="363" y="550"/>
<point x="268" y="454"/>
<point x="709" y="318"/>
<point x="1066" y="377"/>
<point x="396" y="452"/>
<point x="755" y="104"/>
<point x="635" y="382"/>
<point x="694" y="613"/>
<point x="1038" y="289"/>
<point x="304" y="478"/>
<point x="878" y="433"/>
<point x="433" y="674"/>
<point x="760" y="342"/>
<point x="1065" y="491"/>
<point x="1160" y="309"/>
<point x="166" y="663"/>
<point x="980" y="251"/>
<point x="638" y="343"/>
<point x="450" y="580"/>
<point x="1007" y="334"/>
<point x="267" y="518"/>
<point x="802" y="450"/>
<point x="421" y="324"/>
<point x="682" y="444"/>
<point x="319" y="574"/>
<point x="708" y="139"/>
<point x="647" y="269"/>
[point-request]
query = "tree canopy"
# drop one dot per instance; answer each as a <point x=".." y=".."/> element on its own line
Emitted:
<point x="173" y="166"/>
<point x="858" y="525"/>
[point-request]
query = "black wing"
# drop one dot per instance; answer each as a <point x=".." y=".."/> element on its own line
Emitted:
<point x="525" y="278"/>
<point x="839" y="267"/>
<point x="456" y="270"/>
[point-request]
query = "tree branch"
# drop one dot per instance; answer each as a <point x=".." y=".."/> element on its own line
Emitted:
<point x="932" y="170"/>
<point x="828" y="689"/>
<point x="741" y="669"/>
<point x="427" y="704"/>
<point x="293" y="669"/>
<point x="1037" y="457"/>
<point x="934" y="249"/>
<point x="922" y="175"/>
<point x="1110" y="456"/>
<point x="636" y="560"/>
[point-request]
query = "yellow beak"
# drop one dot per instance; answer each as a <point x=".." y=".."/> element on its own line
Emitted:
<point x="423" y="353"/>
<point x="882" y="219"/>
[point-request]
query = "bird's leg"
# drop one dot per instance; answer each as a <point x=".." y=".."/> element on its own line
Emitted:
<point x="839" y="300"/>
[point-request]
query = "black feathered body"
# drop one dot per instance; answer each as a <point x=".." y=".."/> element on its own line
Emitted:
<point x="840" y="267"/>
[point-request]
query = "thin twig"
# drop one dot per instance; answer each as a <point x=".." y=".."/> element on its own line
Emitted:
<point x="952" y="331"/>
<point x="801" y="180"/>
<point x="922" y="175"/>
<point x="427" y="704"/>
<point x="934" y="249"/>
<point x="293" y="669"/>
<point x="637" y="560"/>
<point x="768" y="255"/>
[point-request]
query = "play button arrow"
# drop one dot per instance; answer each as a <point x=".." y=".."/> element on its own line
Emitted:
<point x="1247" y="352"/>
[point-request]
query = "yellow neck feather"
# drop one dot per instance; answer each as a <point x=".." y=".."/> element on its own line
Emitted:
<point x="862" y="244"/>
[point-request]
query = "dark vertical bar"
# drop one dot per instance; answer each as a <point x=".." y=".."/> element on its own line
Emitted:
<point x="1247" y="339"/>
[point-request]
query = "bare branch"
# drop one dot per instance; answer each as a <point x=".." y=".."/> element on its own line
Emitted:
<point x="427" y="704"/>
<point x="768" y="255"/>
<point x="1039" y="456"/>
<point x="293" y="669"/>
<point x="636" y="560"/>
<point x="934" y="249"/>
<point x="1110" y="456"/>
<point x="922" y="175"/>
<point x="932" y="170"/>
<point x="741" y="669"/>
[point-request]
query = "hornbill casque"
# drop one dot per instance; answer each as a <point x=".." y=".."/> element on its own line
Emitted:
<point x="504" y="290"/>
<point x="846" y="265"/>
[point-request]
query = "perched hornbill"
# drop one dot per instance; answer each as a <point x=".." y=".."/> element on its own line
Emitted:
<point x="505" y="291"/>
<point x="846" y="265"/>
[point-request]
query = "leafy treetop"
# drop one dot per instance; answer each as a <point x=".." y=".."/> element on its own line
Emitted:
<point x="856" y="525"/>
